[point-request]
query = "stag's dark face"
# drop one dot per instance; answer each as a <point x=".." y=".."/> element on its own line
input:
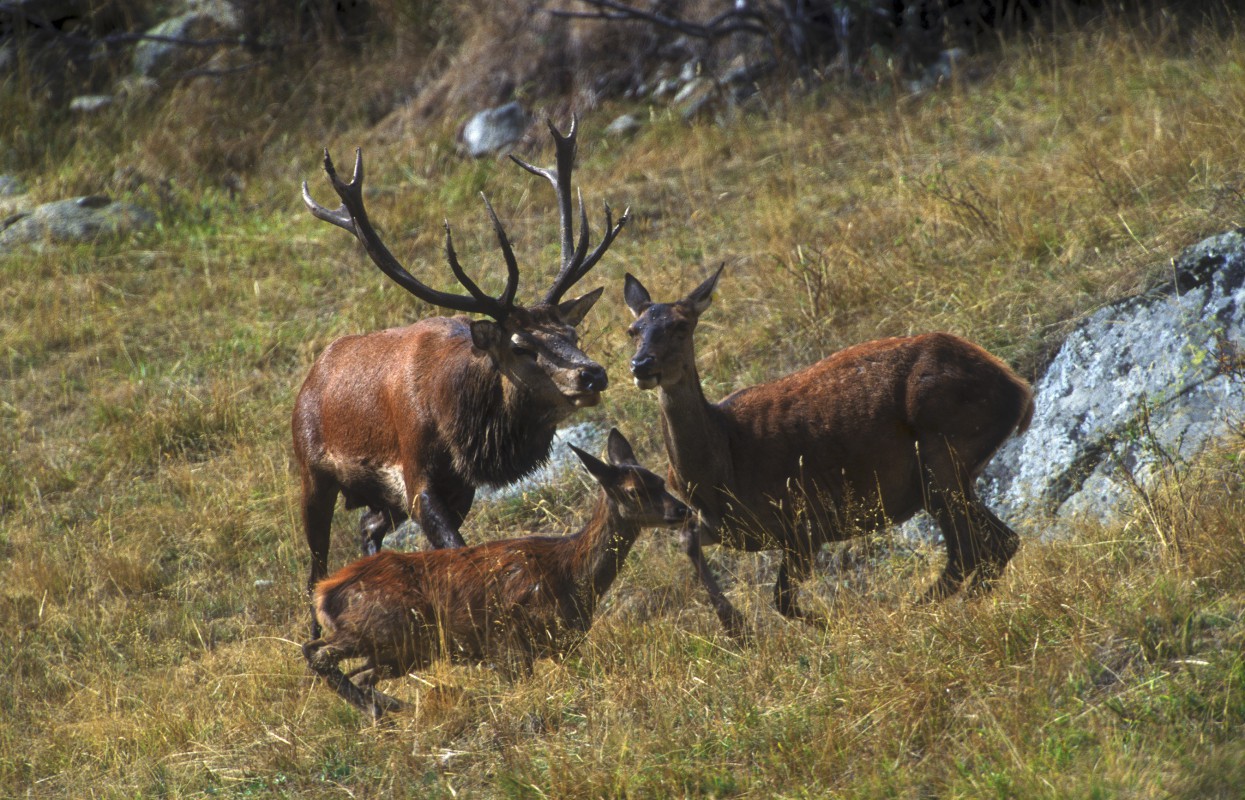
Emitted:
<point x="537" y="349"/>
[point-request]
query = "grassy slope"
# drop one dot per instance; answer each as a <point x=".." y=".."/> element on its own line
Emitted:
<point x="145" y="486"/>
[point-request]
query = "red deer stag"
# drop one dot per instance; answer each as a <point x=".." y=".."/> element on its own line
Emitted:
<point x="866" y="437"/>
<point x="510" y="601"/>
<point x="409" y="421"/>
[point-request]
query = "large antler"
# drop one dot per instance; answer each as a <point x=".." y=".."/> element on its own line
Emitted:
<point x="352" y="216"/>
<point x="576" y="261"/>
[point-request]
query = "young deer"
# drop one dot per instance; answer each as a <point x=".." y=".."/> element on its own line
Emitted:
<point x="866" y="437"/>
<point x="509" y="601"/>
<point x="409" y="421"/>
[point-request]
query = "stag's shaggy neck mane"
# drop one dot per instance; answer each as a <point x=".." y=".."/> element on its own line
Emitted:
<point x="501" y="431"/>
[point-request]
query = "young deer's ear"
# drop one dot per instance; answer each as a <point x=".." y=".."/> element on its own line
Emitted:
<point x="636" y="295"/>
<point x="574" y="311"/>
<point x="486" y="335"/>
<point x="603" y="473"/>
<point x="702" y="295"/>
<point x="619" y="450"/>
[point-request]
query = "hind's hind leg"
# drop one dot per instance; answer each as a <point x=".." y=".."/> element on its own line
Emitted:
<point x="978" y="543"/>
<point x="1000" y="544"/>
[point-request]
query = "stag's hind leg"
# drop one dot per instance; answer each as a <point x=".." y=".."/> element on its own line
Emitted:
<point x="318" y="500"/>
<point x="375" y="524"/>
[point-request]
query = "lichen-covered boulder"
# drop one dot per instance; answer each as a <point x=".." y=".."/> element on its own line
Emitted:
<point x="169" y="49"/>
<point x="78" y="220"/>
<point x="1136" y="387"/>
<point x="494" y="130"/>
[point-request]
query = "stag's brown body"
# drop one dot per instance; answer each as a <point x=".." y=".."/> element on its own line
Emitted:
<point x="410" y="421"/>
<point x="866" y="437"/>
<point x="508" y="602"/>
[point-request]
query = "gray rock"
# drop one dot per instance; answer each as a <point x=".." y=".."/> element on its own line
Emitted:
<point x="11" y="186"/>
<point x="625" y="125"/>
<point x="82" y="219"/>
<point x="1135" y="388"/>
<point x="90" y="103"/>
<point x="202" y="20"/>
<point x="494" y="129"/>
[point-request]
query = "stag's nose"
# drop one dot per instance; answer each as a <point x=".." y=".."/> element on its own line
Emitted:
<point x="642" y="365"/>
<point x="593" y="379"/>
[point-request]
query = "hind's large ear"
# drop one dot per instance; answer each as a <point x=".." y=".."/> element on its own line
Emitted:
<point x="619" y="450"/>
<point x="636" y="295"/>
<point x="603" y="473"/>
<point x="702" y="295"/>
<point x="574" y="311"/>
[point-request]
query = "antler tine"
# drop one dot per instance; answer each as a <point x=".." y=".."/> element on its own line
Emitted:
<point x="351" y="215"/>
<point x="512" y="266"/>
<point x="611" y="233"/>
<point x="339" y="216"/>
<point x="573" y="256"/>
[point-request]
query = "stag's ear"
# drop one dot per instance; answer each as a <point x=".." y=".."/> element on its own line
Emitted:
<point x="603" y="473"/>
<point x="702" y="295"/>
<point x="619" y="450"/>
<point x="486" y="335"/>
<point x="636" y="295"/>
<point x="574" y="311"/>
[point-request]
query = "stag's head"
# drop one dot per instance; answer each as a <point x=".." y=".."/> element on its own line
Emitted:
<point x="536" y="347"/>
<point x="662" y="333"/>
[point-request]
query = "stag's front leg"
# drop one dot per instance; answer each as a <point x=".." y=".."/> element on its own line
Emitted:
<point x="731" y="619"/>
<point x="439" y="522"/>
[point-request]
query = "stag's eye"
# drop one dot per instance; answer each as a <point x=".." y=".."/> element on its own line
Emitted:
<point x="522" y="352"/>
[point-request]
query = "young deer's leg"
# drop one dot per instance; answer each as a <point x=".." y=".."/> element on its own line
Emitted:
<point x="366" y="676"/>
<point x="323" y="657"/>
<point x="731" y="619"/>
<point x="318" y="500"/>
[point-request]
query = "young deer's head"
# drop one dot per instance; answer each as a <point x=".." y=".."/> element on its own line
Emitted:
<point x="636" y="494"/>
<point x="662" y="333"/>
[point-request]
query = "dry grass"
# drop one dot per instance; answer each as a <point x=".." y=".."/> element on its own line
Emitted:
<point x="146" y="500"/>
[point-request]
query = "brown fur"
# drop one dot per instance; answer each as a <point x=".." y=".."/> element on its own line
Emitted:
<point x="508" y="602"/>
<point x="866" y="437"/>
<point x="410" y="421"/>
